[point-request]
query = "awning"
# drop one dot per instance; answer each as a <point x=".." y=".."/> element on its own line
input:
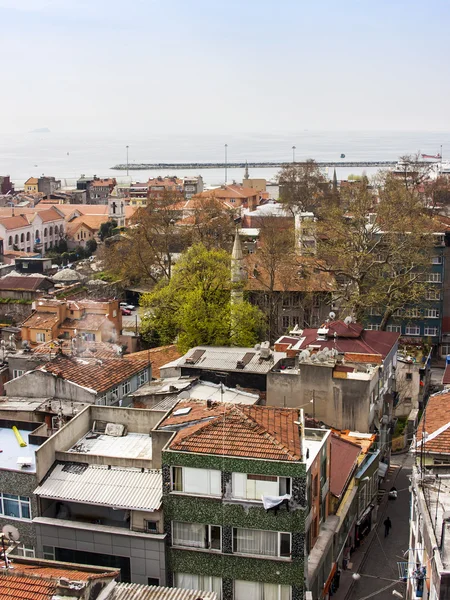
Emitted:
<point x="382" y="469"/>
<point x="119" y="487"/>
<point x="326" y="587"/>
<point x="365" y="514"/>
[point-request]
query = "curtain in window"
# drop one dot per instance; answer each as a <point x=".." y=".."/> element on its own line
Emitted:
<point x="11" y="506"/>
<point x="189" y="534"/>
<point x="177" y="473"/>
<point x="203" y="583"/>
<point x="247" y="590"/>
<point x="253" y="541"/>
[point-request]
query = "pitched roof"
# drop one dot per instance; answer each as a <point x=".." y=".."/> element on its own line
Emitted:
<point x="347" y="339"/>
<point x="26" y="284"/>
<point x="344" y="455"/>
<point x="89" y="321"/>
<point x="41" y="320"/>
<point x="18" y="222"/>
<point x="93" y="374"/>
<point x="436" y="423"/>
<point x="52" y="571"/>
<point x="230" y="191"/>
<point x="32" y="181"/>
<point x="139" y="591"/>
<point x="49" y="215"/>
<point x="157" y="356"/>
<point x="103" y="182"/>
<point x="263" y="432"/>
<point x="26" y="588"/>
<point x="86" y="349"/>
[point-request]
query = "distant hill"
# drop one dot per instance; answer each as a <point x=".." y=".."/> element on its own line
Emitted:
<point x="41" y="130"/>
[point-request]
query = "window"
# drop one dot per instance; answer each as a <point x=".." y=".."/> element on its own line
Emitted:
<point x="40" y="337"/>
<point x="285" y="321"/>
<point x="433" y="295"/>
<point x="151" y="526"/>
<point x="22" y="238"/>
<point x="126" y="388"/>
<point x="372" y="327"/>
<point x="253" y="487"/>
<point x="10" y="241"/>
<point x="261" y="543"/>
<point x="17" y="373"/>
<point x="254" y="590"/>
<point x="196" y="481"/>
<point x="45" y="232"/>
<point x="114" y="394"/>
<point x="436" y="260"/>
<point x="143" y="377"/>
<point x="51" y="230"/>
<point x="438" y="240"/>
<point x="394" y="328"/>
<point x="431" y="313"/>
<point x="199" y="582"/>
<point x="23" y="551"/>
<point x="37" y="234"/>
<point x="408" y="377"/>
<point x="152" y="581"/>
<point x="445" y="350"/>
<point x="412" y="313"/>
<point x="197" y="535"/>
<point x="286" y="300"/>
<point x="48" y="552"/>
<point x="431" y="331"/>
<point x="375" y="311"/>
<point x="295" y="321"/>
<point x="101" y="400"/>
<point x="412" y="330"/>
<point x="16" y="239"/>
<point x="434" y="278"/>
<point x="17" y="507"/>
<point x="28" y="236"/>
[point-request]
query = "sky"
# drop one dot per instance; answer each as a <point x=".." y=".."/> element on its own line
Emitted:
<point x="226" y="66"/>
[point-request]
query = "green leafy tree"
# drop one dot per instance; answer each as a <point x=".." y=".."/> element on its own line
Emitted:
<point x="91" y="247"/>
<point x="194" y="308"/>
<point x="106" y="229"/>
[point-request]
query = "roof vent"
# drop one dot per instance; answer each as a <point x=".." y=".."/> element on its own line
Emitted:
<point x="182" y="411"/>
<point x="322" y="334"/>
<point x="265" y="350"/>
<point x="240" y="364"/>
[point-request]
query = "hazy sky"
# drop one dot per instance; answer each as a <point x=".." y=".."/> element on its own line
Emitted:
<point x="224" y="65"/>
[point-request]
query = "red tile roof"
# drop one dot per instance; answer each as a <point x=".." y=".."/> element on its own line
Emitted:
<point x="89" y="373"/>
<point x="347" y="340"/>
<point x="157" y="356"/>
<point x="50" y="215"/>
<point x="436" y="422"/>
<point x="10" y="223"/>
<point x="55" y="572"/>
<point x="344" y="455"/>
<point x="262" y="432"/>
<point x="89" y="322"/>
<point x="41" y="320"/>
<point x="26" y="588"/>
<point x="87" y="349"/>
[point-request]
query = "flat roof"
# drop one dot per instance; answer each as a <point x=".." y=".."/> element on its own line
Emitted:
<point x="205" y="390"/>
<point x="10" y="451"/>
<point x="132" y="445"/>
<point x="313" y="446"/>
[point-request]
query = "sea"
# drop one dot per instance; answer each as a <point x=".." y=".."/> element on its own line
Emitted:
<point x="69" y="155"/>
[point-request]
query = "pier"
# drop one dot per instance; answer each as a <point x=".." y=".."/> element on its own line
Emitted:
<point x="243" y="164"/>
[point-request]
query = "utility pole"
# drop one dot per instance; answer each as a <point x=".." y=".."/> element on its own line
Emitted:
<point x="127" y="159"/>
<point x="226" y="165"/>
<point x="293" y="153"/>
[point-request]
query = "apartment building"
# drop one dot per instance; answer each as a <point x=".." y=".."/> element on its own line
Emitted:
<point x="100" y="494"/>
<point x="245" y="497"/>
<point x="52" y="319"/>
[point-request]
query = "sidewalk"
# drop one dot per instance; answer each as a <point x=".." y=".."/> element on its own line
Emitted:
<point x="376" y="560"/>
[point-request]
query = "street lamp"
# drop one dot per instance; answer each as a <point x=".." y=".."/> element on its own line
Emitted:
<point x="293" y="153"/>
<point x="226" y="157"/>
<point x="127" y="160"/>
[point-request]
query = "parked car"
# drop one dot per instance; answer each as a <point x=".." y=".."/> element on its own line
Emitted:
<point x="127" y="306"/>
<point x="125" y="312"/>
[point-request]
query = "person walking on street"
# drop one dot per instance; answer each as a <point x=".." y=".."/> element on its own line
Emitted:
<point x="387" y="526"/>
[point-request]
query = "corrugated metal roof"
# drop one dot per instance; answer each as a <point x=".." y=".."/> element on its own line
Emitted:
<point x="137" y="591"/>
<point x="226" y="359"/>
<point x="124" y="488"/>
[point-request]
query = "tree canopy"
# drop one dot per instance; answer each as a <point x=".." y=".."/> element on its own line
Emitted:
<point x="194" y="308"/>
<point x="378" y="244"/>
<point x="303" y="186"/>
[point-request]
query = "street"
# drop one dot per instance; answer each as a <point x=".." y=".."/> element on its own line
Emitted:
<point x="376" y="561"/>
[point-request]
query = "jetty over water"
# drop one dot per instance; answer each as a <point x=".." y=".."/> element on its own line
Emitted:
<point x="241" y="165"/>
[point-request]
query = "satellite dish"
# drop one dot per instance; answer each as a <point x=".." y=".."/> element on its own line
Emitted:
<point x="11" y="533"/>
<point x="348" y="320"/>
<point x="332" y="315"/>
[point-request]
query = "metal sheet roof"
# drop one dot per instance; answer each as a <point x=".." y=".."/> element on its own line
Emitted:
<point x="130" y="489"/>
<point x="137" y="591"/>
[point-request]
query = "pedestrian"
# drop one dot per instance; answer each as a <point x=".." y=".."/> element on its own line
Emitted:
<point x="387" y="526"/>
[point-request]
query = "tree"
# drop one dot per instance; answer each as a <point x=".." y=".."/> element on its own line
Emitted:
<point x="91" y="246"/>
<point x="194" y="308"/>
<point x="303" y="186"/>
<point x="145" y="251"/>
<point x="378" y="247"/>
<point x="106" y="229"/>
<point x="212" y="223"/>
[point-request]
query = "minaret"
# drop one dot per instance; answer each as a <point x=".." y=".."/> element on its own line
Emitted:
<point x="335" y="183"/>
<point x="246" y="171"/>
<point x="238" y="274"/>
